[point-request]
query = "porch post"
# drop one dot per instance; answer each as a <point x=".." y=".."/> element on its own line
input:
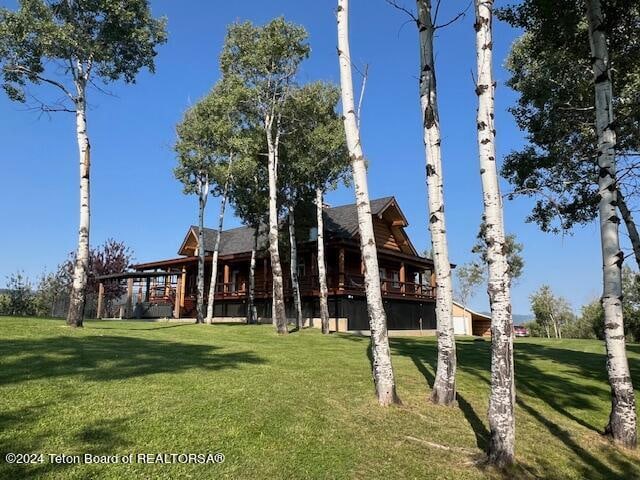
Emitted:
<point x="128" y="310"/>
<point x="402" y="278"/>
<point x="100" y="300"/>
<point x="177" y="301"/>
<point x="183" y="285"/>
<point x="147" y="295"/>
<point x="225" y="287"/>
<point x="420" y="286"/>
<point x="341" y="268"/>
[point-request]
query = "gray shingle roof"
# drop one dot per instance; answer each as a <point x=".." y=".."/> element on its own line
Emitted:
<point x="339" y="222"/>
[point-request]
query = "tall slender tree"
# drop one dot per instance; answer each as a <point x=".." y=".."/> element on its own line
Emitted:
<point x="194" y="171"/>
<point x="225" y="130"/>
<point x="444" y="387"/>
<point x="67" y="46"/>
<point x="502" y="398"/>
<point x="249" y="195"/>
<point x="383" y="375"/>
<point x="622" y="420"/>
<point x="316" y="160"/>
<point x="266" y="59"/>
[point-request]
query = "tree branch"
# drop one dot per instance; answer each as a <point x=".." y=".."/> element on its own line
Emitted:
<point x="25" y="71"/>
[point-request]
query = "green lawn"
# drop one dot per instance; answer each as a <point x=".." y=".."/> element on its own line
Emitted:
<point x="295" y="407"/>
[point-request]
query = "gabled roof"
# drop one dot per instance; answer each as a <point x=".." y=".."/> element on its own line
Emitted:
<point x="233" y="241"/>
<point x="342" y="221"/>
<point x="472" y="312"/>
<point x="339" y="222"/>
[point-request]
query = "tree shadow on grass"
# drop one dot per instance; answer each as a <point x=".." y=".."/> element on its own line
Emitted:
<point x="104" y="358"/>
<point x="93" y="326"/>
<point x="479" y="429"/>
<point x="572" y="382"/>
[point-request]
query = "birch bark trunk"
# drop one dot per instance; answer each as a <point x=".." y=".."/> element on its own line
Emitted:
<point x="383" y="375"/>
<point x="75" y="315"/>
<point x="502" y="398"/>
<point x="322" y="267"/>
<point x="216" y="248"/>
<point x="295" y="284"/>
<point x="444" y="387"/>
<point x="631" y="226"/>
<point x="622" y="420"/>
<point x="203" y="194"/>
<point x="278" y="312"/>
<point x="252" y="314"/>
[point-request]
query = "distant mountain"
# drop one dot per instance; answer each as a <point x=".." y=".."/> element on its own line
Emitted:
<point x="517" y="319"/>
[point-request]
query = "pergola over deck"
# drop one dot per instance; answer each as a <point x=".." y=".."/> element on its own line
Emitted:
<point x="158" y="286"/>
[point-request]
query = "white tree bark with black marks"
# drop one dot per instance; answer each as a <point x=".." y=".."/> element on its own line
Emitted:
<point x="75" y="314"/>
<point x="502" y="398"/>
<point x="278" y="312"/>
<point x="252" y="314"/>
<point x="383" y="375"/>
<point x="322" y="266"/>
<point x="444" y="387"/>
<point x="295" y="284"/>
<point x="203" y="195"/>
<point x="216" y="247"/>
<point x="622" y="420"/>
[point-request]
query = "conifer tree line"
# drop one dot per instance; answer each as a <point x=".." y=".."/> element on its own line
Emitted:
<point x="271" y="146"/>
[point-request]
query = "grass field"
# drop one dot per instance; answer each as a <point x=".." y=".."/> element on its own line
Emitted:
<point x="301" y="406"/>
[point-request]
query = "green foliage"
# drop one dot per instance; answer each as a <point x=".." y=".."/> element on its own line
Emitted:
<point x="266" y="60"/>
<point x="314" y="146"/>
<point x="210" y="135"/>
<point x="469" y="277"/>
<point x="52" y="288"/>
<point x="19" y="301"/>
<point x="512" y="249"/>
<point x="590" y="323"/>
<point x="58" y="41"/>
<point x="551" y="70"/>
<point x="249" y="191"/>
<point x="551" y="312"/>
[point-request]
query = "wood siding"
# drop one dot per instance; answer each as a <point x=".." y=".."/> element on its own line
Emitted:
<point x="384" y="236"/>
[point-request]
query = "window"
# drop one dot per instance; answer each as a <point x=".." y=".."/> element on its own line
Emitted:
<point x="302" y="271"/>
<point x="395" y="275"/>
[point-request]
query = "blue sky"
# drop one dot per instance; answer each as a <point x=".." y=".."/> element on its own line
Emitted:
<point x="136" y="199"/>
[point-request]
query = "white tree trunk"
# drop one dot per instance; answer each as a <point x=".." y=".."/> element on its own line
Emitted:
<point x="75" y="314"/>
<point x="252" y="314"/>
<point x="622" y="420"/>
<point x="278" y="312"/>
<point x="295" y="284"/>
<point x="382" y="368"/>
<point x="216" y="248"/>
<point x="634" y="236"/>
<point x="555" y="325"/>
<point x="322" y="267"/>
<point x="502" y="398"/>
<point x="444" y="387"/>
<point x="203" y="194"/>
